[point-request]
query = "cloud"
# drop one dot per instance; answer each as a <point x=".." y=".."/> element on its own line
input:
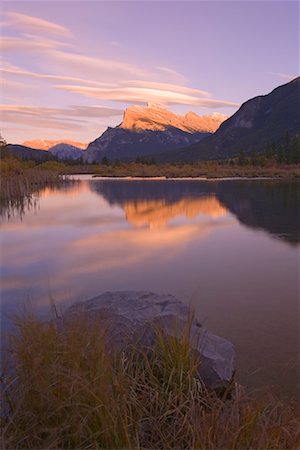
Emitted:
<point x="59" y="118"/>
<point x="10" y="85"/>
<point x="29" y="44"/>
<point x="108" y="69"/>
<point x="34" y="24"/>
<point x="166" y="87"/>
<point x="18" y="71"/>
<point x="284" y="76"/>
<point x="80" y="111"/>
<point x="145" y="94"/>
<point x="52" y="63"/>
<point x="173" y="73"/>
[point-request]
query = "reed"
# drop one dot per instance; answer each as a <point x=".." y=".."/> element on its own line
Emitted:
<point x="20" y="180"/>
<point x="68" y="389"/>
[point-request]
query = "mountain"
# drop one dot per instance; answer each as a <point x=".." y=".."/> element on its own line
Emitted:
<point x="150" y="130"/>
<point x="258" y="121"/>
<point x="28" y="153"/>
<point x="157" y="118"/>
<point x="65" y="151"/>
<point x="45" y="144"/>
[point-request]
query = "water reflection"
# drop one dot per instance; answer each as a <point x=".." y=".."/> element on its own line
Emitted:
<point x="265" y="204"/>
<point x="270" y="205"/>
<point x="187" y="238"/>
<point x="157" y="213"/>
<point x="17" y="207"/>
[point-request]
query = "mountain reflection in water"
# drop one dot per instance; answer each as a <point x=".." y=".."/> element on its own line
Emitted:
<point x="157" y="213"/>
<point x="270" y="205"/>
<point x="227" y="247"/>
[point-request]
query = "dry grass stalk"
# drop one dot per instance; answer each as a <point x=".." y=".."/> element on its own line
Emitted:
<point x="68" y="390"/>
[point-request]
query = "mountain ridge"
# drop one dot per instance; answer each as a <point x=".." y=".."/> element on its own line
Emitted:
<point x="46" y="144"/>
<point x="257" y="122"/>
<point x="149" y="130"/>
<point x="155" y="117"/>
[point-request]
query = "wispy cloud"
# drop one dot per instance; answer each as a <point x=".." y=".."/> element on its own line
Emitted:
<point x="173" y="73"/>
<point x="28" y="43"/>
<point x="23" y="22"/>
<point x="166" y="87"/>
<point x="20" y="72"/>
<point x="72" y="118"/>
<point x="145" y="94"/>
<point x="55" y="68"/>
<point x="77" y="111"/>
<point x="284" y="76"/>
<point x="104" y="68"/>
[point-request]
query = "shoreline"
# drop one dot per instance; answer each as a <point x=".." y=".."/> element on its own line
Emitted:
<point x="166" y="178"/>
<point x="208" y="171"/>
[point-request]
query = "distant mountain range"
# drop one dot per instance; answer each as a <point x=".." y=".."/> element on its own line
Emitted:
<point x="150" y="131"/>
<point x="66" y="151"/>
<point x="45" y="144"/>
<point x="153" y="131"/>
<point x="28" y="153"/>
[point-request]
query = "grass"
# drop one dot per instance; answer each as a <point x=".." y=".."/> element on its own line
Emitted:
<point x="20" y="179"/>
<point x="69" y="389"/>
<point x="209" y="169"/>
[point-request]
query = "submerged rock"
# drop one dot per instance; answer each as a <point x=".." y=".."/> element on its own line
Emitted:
<point x="131" y="315"/>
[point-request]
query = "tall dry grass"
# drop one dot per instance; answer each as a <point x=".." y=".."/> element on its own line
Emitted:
<point x="67" y="389"/>
<point x="20" y="180"/>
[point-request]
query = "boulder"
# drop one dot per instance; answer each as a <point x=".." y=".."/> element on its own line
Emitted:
<point x="131" y="315"/>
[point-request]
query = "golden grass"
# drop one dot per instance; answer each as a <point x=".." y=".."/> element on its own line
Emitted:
<point x="19" y="180"/>
<point x="209" y="169"/>
<point x="68" y="390"/>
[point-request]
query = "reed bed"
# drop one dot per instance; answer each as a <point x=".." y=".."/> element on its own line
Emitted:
<point x="66" y="389"/>
<point x="208" y="169"/>
<point x="21" y="180"/>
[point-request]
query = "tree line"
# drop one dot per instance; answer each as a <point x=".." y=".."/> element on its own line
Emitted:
<point x="286" y="152"/>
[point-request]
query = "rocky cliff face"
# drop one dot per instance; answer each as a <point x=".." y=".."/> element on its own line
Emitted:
<point x="157" y="118"/>
<point x="149" y="131"/>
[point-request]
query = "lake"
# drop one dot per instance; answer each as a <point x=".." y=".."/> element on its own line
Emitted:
<point x="229" y="248"/>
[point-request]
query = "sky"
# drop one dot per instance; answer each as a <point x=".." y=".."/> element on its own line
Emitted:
<point x="70" y="68"/>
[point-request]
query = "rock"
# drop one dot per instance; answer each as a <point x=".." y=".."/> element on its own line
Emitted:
<point x="149" y="131"/>
<point x="131" y="315"/>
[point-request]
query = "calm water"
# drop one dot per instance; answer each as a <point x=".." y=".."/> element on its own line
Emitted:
<point x="229" y="248"/>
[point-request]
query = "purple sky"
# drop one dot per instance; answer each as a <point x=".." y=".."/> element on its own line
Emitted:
<point x="69" y="69"/>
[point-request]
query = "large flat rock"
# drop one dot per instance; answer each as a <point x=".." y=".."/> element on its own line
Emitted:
<point x="132" y="314"/>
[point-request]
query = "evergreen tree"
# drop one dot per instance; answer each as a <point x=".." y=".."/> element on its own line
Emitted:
<point x="242" y="160"/>
<point x="287" y="150"/>
<point x="3" y="142"/>
<point x="105" y="161"/>
<point x="295" y="150"/>
<point x="273" y="148"/>
<point x="280" y="155"/>
<point x="254" y="157"/>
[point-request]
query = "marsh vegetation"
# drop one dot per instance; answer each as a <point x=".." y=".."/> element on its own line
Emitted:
<point x="68" y="389"/>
